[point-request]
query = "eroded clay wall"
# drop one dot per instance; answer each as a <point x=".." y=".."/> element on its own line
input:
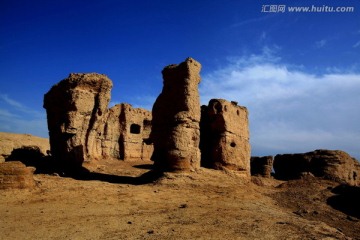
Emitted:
<point x="135" y="132"/>
<point x="75" y="107"/>
<point x="225" y="136"/>
<point x="82" y="128"/>
<point x="176" y="118"/>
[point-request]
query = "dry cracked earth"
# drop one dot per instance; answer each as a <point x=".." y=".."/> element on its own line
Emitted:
<point x="122" y="200"/>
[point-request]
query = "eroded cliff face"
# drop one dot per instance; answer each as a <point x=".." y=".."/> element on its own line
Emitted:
<point x="225" y="136"/>
<point x="176" y="117"/>
<point x="82" y="128"/>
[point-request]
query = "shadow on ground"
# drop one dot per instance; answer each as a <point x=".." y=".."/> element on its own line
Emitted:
<point x="148" y="177"/>
<point x="346" y="200"/>
<point x="32" y="157"/>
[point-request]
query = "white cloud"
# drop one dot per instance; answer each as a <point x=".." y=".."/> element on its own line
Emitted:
<point x="252" y="20"/>
<point x="290" y="110"/>
<point x="10" y="101"/>
<point x="17" y="106"/>
<point x="18" y="118"/>
<point x="37" y="127"/>
<point x="321" y="43"/>
<point x="356" y="44"/>
<point x="6" y="114"/>
<point x="263" y="35"/>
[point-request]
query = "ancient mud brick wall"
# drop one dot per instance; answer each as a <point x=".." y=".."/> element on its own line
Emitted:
<point x="75" y="107"/>
<point x="109" y="142"/>
<point x="136" y="127"/>
<point x="176" y="116"/>
<point x="82" y="128"/>
<point x="16" y="175"/>
<point x="225" y="136"/>
<point x="330" y="164"/>
<point x="126" y="133"/>
<point x="261" y="166"/>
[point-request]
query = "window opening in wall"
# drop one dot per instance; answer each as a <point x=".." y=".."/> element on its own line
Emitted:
<point x="135" y="128"/>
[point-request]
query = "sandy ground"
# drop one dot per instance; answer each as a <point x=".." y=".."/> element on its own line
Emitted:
<point x="11" y="141"/>
<point x="120" y="202"/>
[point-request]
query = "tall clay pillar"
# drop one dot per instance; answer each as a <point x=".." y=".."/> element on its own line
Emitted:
<point x="176" y="118"/>
<point x="75" y="108"/>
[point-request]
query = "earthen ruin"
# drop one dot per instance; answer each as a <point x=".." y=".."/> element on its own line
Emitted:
<point x="82" y="128"/>
<point x="126" y="133"/>
<point x="261" y="166"/>
<point x="16" y="175"/>
<point x="225" y="136"/>
<point x="176" y="118"/>
<point x="330" y="164"/>
<point x="178" y="135"/>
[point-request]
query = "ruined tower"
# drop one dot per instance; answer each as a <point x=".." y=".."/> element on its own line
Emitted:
<point x="75" y="107"/>
<point x="176" y="117"/>
<point x="225" y="136"/>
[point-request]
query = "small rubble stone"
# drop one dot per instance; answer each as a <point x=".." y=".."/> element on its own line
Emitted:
<point x="15" y="174"/>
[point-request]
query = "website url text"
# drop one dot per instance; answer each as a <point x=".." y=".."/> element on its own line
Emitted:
<point x="308" y="9"/>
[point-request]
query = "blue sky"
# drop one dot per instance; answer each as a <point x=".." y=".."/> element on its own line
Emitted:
<point x="298" y="73"/>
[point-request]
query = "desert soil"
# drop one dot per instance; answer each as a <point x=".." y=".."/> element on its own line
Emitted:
<point x="11" y="141"/>
<point x="122" y="200"/>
